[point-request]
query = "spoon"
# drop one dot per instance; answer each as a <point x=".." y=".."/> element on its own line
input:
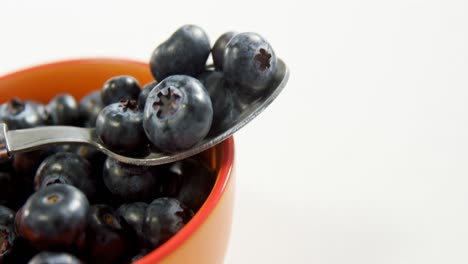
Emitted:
<point x="24" y="140"/>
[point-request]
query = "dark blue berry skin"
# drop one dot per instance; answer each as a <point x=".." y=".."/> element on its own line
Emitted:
<point x="49" y="257"/>
<point x="164" y="218"/>
<point x="21" y="252"/>
<point x="218" y="49"/>
<point x="144" y="94"/>
<point x="134" y="215"/>
<point x="178" y="113"/>
<point x="131" y="183"/>
<point x="54" y="217"/>
<point x="226" y="106"/>
<point x="7" y="241"/>
<point x="249" y="63"/>
<point x="26" y="164"/>
<point x="7" y="216"/>
<point x="8" y="184"/>
<point x="140" y="254"/>
<point x="63" y="110"/>
<point x="90" y="106"/>
<point x="66" y="168"/>
<point x="196" y="182"/>
<point x="107" y="240"/>
<point x="185" y="52"/>
<point x="120" y="128"/>
<point x="17" y="114"/>
<point x="120" y="88"/>
<point x="16" y="188"/>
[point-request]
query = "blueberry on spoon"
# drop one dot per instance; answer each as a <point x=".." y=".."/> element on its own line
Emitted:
<point x="119" y="126"/>
<point x="178" y="113"/>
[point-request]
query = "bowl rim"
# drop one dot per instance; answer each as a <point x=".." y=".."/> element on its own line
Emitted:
<point x="223" y="176"/>
<point x="58" y="63"/>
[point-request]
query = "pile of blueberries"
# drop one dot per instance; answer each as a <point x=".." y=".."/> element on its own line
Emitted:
<point x="73" y="204"/>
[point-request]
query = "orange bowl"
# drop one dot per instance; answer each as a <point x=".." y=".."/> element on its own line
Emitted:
<point x="205" y="238"/>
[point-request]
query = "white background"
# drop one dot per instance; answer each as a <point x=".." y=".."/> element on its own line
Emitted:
<point x="362" y="159"/>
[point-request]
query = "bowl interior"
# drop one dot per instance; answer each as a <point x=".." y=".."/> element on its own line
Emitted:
<point x="79" y="77"/>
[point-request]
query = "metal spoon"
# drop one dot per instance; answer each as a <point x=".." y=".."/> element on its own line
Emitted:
<point x="24" y="140"/>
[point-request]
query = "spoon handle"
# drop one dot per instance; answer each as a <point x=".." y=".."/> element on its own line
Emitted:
<point x="22" y="140"/>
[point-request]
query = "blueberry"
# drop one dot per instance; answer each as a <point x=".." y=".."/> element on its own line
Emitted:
<point x="130" y="182"/>
<point x="18" y="114"/>
<point x="144" y="94"/>
<point x="21" y="252"/>
<point x="66" y="168"/>
<point x="164" y="218"/>
<point x="134" y="215"/>
<point x="7" y="216"/>
<point x="196" y="182"/>
<point x="106" y="237"/>
<point x="218" y="49"/>
<point x="7" y="241"/>
<point x="140" y="255"/>
<point x="89" y="108"/>
<point x="27" y="163"/>
<point x="118" y="88"/>
<point x="249" y="63"/>
<point x="185" y="52"/>
<point x="22" y="168"/>
<point x="178" y="113"/>
<point x="53" y="217"/>
<point x="63" y="110"/>
<point x="8" y="184"/>
<point x="49" y="257"/>
<point x="226" y="106"/>
<point x="120" y="128"/>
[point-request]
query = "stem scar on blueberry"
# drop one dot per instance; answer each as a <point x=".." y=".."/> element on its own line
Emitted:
<point x="5" y="245"/>
<point x="16" y="105"/>
<point x="52" y="198"/>
<point x="167" y="102"/>
<point x="108" y="219"/>
<point x="128" y="104"/>
<point x="263" y="57"/>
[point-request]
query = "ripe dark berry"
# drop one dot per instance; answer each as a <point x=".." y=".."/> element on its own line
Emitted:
<point x="178" y="113"/>
<point x="66" y="168"/>
<point x="53" y="217"/>
<point x="226" y="106"/>
<point x="21" y="252"/>
<point x="49" y="257"/>
<point x="63" y="110"/>
<point x="7" y="240"/>
<point x="144" y="94"/>
<point x="18" y="114"/>
<point x="196" y="182"/>
<point x="106" y="238"/>
<point x="218" y="49"/>
<point x="89" y="108"/>
<point x="8" y="184"/>
<point x="185" y="52"/>
<point x="7" y="216"/>
<point x="120" y="88"/>
<point x="134" y="215"/>
<point x="140" y="254"/>
<point x="120" y="128"/>
<point x="249" y="63"/>
<point x="130" y="182"/>
<point x="164" y="218"/>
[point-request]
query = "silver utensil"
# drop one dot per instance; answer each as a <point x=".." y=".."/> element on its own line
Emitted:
<point x="24" y="140"/>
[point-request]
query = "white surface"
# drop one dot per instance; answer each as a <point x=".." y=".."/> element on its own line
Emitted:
<point x="362" y="159"/>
